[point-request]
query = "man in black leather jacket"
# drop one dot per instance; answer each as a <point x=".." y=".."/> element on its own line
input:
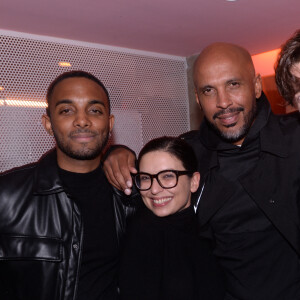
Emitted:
<point x="61" y="223"/>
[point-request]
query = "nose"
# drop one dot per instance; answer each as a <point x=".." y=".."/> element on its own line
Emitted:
<point x="223" y="99"/>
<point x="155" y="188"/>
<point x="82" y="120"/>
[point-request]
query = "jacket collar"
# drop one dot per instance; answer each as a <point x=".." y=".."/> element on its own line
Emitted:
<point x="46" y="178"/>
<point x="265" y="126"/>
<point x="272" y="138"/>
<point x="47" y="181"/>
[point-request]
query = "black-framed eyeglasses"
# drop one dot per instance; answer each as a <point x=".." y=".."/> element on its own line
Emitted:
<point x="167" y="179"/>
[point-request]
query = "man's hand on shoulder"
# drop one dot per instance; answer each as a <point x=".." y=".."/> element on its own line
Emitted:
<point x="118" y="165"/>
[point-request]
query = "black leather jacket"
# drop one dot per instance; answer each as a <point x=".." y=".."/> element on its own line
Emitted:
<point x="41" y="233"/>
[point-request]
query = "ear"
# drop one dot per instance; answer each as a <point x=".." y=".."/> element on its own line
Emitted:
<point x="258" y="86"/>
<point x="197" y="98"/>
<point x="111" y="122"/>
<point x="47" y="124"/>
<point x="195" y="180"/>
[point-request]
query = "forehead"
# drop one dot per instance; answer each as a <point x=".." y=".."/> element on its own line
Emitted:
<point x="159" y="160"/>
<point x="216" y="69"/>
<point x="78" y="88"/>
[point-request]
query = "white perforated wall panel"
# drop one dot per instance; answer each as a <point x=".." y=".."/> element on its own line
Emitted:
<point x="148" y="92"/>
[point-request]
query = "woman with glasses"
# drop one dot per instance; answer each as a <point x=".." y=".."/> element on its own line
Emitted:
<point x="163" y="258"/>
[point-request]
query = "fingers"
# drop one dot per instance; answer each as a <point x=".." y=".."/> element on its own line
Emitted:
<point x="117" y="167"/>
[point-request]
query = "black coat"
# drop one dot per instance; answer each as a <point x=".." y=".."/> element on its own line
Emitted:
<point x="274" y="184"/>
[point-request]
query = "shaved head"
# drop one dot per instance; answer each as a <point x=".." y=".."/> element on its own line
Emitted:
<point x="217" y="52"/>
<point x="226" y="89"/>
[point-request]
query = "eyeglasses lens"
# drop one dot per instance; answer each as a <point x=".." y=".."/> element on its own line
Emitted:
<point x="167" y="179"/>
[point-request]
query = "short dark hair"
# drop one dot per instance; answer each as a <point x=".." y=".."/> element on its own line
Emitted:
<point x="288" y="56"/>
<point x="73" y="74"/>
<point x="174" y="146"/>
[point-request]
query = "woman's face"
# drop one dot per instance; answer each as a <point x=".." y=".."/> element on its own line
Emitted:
<point x="163" y="202"/>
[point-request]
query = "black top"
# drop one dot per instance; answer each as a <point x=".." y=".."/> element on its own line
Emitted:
<point x="164" y="259"/>
<point x="257" y="259"/>
<point x="92" y="194"/>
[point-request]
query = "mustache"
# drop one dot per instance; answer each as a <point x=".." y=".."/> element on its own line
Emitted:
<point x="80" y="131"/>
<point x="227" y="111"/>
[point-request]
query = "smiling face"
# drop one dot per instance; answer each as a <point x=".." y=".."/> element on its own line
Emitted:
<point x="163" y="202"/>
<point x="226" y="90"/>
<point x="79" y="120"/>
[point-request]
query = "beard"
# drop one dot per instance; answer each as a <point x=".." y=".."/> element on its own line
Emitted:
<point x="240" y="133"/>
<point x="85" y="153"/>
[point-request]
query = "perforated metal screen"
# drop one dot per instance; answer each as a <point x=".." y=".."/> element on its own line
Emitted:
<point x="148" y="92"/>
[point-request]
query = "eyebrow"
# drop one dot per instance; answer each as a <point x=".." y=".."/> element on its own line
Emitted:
<point x="233" y="80"/>
<point x="97" y="102"/>
<point x="201" y="88"/>
<point x="90" y="102"/>
<point x="226" y="82"/>
<point x="206" y="86"/>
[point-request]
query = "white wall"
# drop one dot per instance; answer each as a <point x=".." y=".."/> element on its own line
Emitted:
<point x="149" y="94"/>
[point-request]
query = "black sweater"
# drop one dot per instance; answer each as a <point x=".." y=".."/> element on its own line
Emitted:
<point x="163" y="258"/>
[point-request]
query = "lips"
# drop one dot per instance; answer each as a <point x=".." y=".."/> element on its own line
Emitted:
<point x="82" y="137"/>
<point x="230" y="118"/>
<point x="159" y="202"/>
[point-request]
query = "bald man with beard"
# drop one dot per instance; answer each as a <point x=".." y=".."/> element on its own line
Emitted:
<point x="247" y="203"/>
